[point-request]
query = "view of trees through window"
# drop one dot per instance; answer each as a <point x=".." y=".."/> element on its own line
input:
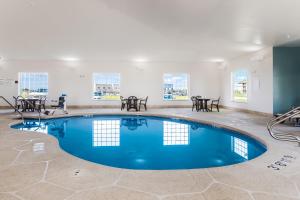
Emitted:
<point x="176" y="87"/>
<point x="240" y="86"/>
<point x="33" y="84"/>
<point x="106" y="86"/>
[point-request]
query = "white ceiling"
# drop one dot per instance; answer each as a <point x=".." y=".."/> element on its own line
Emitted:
<point x="156" y="30"/>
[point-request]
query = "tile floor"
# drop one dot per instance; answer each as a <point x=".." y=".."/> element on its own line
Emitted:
<point x="52" y="174"/>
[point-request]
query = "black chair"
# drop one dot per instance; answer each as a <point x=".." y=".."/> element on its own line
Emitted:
<point x="41" y="103"/>
<point x="18" y="103"/>
<point x="143" y="102"/>
<point x="60" y="105"/>
<point x="194" y="100"/>
<point x="200" y="105"/>
<point x="61" y="101"/>
<point x="215" y="103"/>
<point x="132" y="103"/>
<point x="123" y="102"/>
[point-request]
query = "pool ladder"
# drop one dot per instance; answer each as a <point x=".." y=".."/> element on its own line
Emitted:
<point x="281" y="135"/>
<point x="16" y="109"/>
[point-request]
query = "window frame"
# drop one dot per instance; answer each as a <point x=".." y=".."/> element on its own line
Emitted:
<point x="188" y="86"/>
<point x="94" y="85"/>
<point x="19" y="83"/>
<point x="232" y="82"/>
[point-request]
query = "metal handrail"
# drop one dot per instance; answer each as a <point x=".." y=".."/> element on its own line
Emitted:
<point x="16" y="109"/>
<point x="13" y="107"/>
<point x="277" y="120"/>
<point x="286" y="114"/>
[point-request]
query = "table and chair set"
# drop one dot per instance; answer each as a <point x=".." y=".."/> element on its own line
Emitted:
<point x="202" y="104"/>
<point x="32" y="104"/>
<point x="133" y="102"/>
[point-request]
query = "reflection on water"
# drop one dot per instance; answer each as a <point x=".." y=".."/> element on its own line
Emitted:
<point x="35" y="126"/>
<point x="55" y="127"/>
<point x="58" y="128"/>
<point x="240" y="147"/>
<point x="195" y="126"/>
<point x="106" y="133"/>
<point x="133" y="123"/>
<point x="176" y="133"/>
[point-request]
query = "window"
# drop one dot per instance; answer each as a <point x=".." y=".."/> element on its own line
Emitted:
<point x="240" y="147"/>
<point x="176" y="87"/>
<point x="33" y="84"/>
<point x="106" y="133"/>
<point x="106" y="86"/>
<point x="176" y="133"/>
<point x="239" y="80"/>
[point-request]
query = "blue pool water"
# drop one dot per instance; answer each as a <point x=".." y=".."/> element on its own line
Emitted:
<point x="141" y="142"/>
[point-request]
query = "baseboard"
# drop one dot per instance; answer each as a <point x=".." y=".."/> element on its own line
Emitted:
<point x="247" y="111"/>
<point x="5" y="107"/>
<point x="169" y="106"/>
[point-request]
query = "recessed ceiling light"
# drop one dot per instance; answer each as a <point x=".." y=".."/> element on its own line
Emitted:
<point x="70" y="59"/>
<point x="252" y="48"/>
<point x="216" y="60"/>
<point x="140" y="60"/>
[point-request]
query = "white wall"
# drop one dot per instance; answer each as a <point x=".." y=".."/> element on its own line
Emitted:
<point x="260" y="67"/>
<point x="75" y="79"/>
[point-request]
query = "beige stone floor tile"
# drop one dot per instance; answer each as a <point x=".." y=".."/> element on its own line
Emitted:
<point x="18" y="176"/>
<point x="14" y="140"/>
<point x="254" y="179"/>
<point x="21" y="135"/>
<point x="39" y="150"/>
<point x="112" y="193"/>
<point x="220" y="192"/>
<point x="90" y="175"/>
<point x="8" y="197"/>
<point x="44" y="191"/>
<point x="7" y="156"/>
<point x="276" y="155"/>
<point x="261" y="196"/>
<point x="63" y="164"/>
<point x="7" y="131"/>
<point x="166" y="182"/>
<point x="49" y="141"/>
<point x="185" y="197"/>
<point x="296" y="179"/>
<point x="10" y="144"/>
